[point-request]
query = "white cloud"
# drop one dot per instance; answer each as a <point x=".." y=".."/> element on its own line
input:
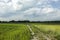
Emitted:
<point x="47" y="10"/>
<point x="32" y="11"/>
<point x="28" y="9"/>
<point x="55" y="0"/>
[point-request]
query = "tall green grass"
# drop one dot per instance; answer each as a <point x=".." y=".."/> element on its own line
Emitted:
<point x="14" y="32"/>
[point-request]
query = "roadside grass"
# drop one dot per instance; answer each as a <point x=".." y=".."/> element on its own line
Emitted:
<point x="14" y="32"/>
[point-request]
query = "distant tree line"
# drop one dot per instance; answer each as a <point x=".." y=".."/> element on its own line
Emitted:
<point x="13" y="21"/>
<point x="27" y="21"/>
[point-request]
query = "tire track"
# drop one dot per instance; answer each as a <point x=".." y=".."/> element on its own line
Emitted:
<point x="32" y="33"/>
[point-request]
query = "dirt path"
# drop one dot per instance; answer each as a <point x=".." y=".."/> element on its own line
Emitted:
<point x="32" y="33"/>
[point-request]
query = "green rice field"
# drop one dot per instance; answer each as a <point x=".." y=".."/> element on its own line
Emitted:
<point x="14" y="31"/>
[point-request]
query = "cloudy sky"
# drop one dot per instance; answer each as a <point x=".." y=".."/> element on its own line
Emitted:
<point x="33" y="10"/>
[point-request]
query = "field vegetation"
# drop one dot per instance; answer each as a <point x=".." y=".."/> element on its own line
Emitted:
<point x="20" y="31"/>
<point x="14" y="32"/>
